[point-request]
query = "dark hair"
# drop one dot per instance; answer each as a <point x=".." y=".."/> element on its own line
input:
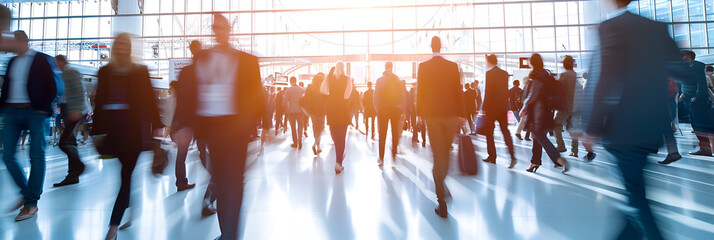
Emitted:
<point x="435" y="44"/>
<point x="61" y="58"/>
<point x="293" y="80"/>
<point x="709" y="69"/>
<point x="516" y="83"/>
<point x="20" y="35"/>
<point x="537" y="62"/>
<point x="623" y="2"/>
<point x="369" y="84"/>
<point x="467" y="86"/>
<point x="492" y="59"/>
<point x="568" y="62"/>
<point x="689" y="53"/>
<point x="174" y="84"/>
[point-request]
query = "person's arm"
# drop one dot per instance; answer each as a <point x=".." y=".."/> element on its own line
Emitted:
<point x="99" y="122"/>
<point x="420" y="91"/>
<point x="377" y="94"/>
<point x="608" y="91"/>
<point x="148" y="98"/>
<point x="460" y="106"/>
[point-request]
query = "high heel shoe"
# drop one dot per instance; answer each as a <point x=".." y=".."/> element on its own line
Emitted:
<point x="564" y="163"/>
<point x="533" y="168"/>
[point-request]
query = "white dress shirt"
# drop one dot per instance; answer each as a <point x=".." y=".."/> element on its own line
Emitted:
<point x="19" y="72"/>
<point x="216" y="76"/>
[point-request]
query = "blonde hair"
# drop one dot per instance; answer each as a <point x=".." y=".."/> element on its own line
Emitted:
<point x="121" y="38"/>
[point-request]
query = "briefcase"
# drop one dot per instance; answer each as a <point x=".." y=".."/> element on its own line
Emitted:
<point x="482" y="127"/>
<point x="468" y="161"/>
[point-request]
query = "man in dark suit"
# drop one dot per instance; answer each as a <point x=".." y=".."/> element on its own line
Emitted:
<point x="32" y="85"/>
<point x="470" y="105"/>
<point x="628" y="94"/>
<point x="495" y="107"/>
<point x="695" y="95"/>
<point x="440" y="102"/>
<point x="222" y="105"/>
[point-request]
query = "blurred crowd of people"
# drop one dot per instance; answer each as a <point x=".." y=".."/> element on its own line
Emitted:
<point x="628" y="102"/>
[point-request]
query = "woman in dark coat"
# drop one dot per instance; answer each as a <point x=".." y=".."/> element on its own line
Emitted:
<point x="338" y="89"/>
<point x="539" y="115"/>
<point x="125" y="113"/>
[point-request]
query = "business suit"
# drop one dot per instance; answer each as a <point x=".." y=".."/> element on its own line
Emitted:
<point x="470" y="104"/>
<point x="43" y="85"/>
<point x="628" y="90"/>
<point x="440" y="102"/>
<point x="227" y="136"/>
<point x="495" y="106"/>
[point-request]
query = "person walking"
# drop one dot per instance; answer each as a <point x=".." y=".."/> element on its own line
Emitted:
<point x="632" y="128"/>
<point x="280" y="118"/>
<point x="514" y="99"/>
<point x="390" y="100"/>
<point x="316" y="107"/>
<point x="495" y="106"/>
<point x="440" y="102"/>
<point x="125" y="103"/>
<point x="338" y="88"/>
<point x="567" y="80"/>
<point x="470" y="103"/>
<point x="296" y="117"/>
<point x="74" y="107"/>
<point x="539" y="115"/>
<point x="522" y="124"/>
<point x="369" y="110"/>
<point x="30" y="87"/>
<point x="222" y="106"/>
<point x="695" y="95"/>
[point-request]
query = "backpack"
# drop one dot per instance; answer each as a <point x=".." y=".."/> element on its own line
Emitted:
<point x="556" y="90"/>
<point x="392" y="93"/>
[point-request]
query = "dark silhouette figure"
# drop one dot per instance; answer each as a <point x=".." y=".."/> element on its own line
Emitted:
<point x="539" y="115"/>
<point x="390" y="99"/>
<point x="495" y="106"/>
<point x="470" y="105"/>
<point x="125" y="105"/>
<point x="338" y="88"/>
<point x="628" y="90"/>
<point x="695" y="95"/>
<point x="369" y="111"/>
<point x="222" y="106"/>
<point x="440" y="102"/>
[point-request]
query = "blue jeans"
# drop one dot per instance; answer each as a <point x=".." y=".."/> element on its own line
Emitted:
<point x="16" y="120"/>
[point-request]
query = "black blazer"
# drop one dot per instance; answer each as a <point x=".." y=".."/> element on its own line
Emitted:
<point x="129" y="132"/>
<point x="495" y="101"/>
<point x="628" y="89"/>
<point x="250" y="102"/>
<point x="439" y="93"/>
<point x="43" y="82"/>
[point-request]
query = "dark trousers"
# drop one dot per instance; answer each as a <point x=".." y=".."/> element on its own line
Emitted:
<point x="441" y="136"/>
<point x="503" y="123"/>
<point x="339" y="135"/>
<point x="181" y="153"/>
<point x="318" y="126"/>
<point x="68" y="145"/>
<point x="128" y="163"/>
<point x="297" y="124"/>
<point x="280" y="120"/>
<point x="210" y="196"/>
<point x="417" y="128"/>
<point x="541" y="141"/>
<point x="384" y="118"/>
<point x="470" y="118"/>
<point x="227" y="141"/>
<point x="15" y="121"/>
<point x="640" y="222"/>
<point x="367" y="121"/>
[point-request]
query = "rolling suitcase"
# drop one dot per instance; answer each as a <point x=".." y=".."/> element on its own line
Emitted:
<point x="468" y="162"/>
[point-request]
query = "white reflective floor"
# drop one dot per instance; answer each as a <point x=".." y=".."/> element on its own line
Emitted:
<point x="291" y="194"/>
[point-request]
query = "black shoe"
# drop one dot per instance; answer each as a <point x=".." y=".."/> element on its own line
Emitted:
<point x="672" y="157"/>
<point x="185" y="187"/>
<point x="528" y="138"/>
<point x="490" y="160"/>
<point x="441" y="210"/>
<point x="701" y="153"/>
<point x="66" y="181"/>
<point x="208" y="211"/>
<point x="513" y="162"/>
<point x="590" y="156"/>
<point x="518" y="135"/>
